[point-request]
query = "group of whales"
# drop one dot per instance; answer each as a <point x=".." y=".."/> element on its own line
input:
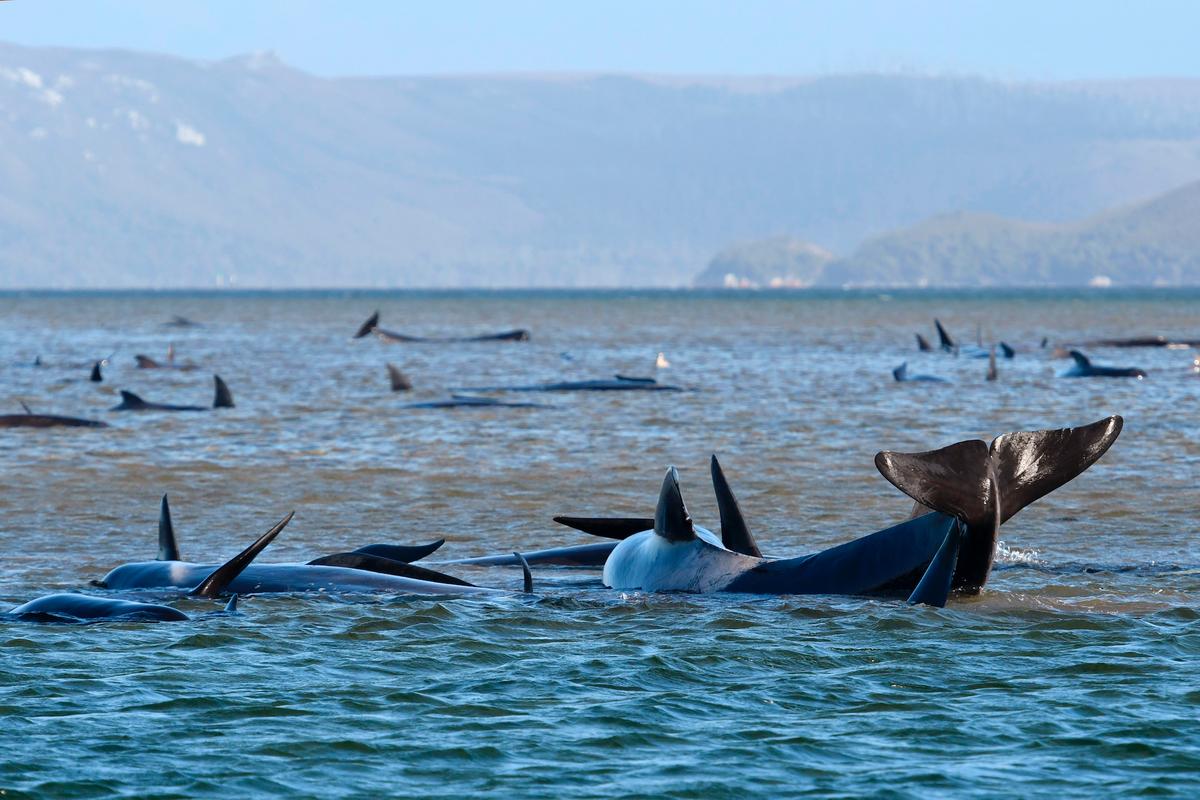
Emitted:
<point x="963" y="493"/>
<point x="1082" y="366"/>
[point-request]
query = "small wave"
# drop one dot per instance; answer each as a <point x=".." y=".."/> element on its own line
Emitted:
<point x="1014" y="555"/>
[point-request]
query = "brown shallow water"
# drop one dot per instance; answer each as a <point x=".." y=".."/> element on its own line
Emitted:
<point x="1075" y="672"/>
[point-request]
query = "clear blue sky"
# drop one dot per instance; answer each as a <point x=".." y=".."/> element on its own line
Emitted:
<point x="1002" y="39"/>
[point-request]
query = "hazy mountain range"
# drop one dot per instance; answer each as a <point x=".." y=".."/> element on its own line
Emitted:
<point x="129" y="169"/>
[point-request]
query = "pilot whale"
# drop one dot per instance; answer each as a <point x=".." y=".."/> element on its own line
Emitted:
<point x="1084" y="368"/>
<point x="72" y="607"/>
<point x="901" y="375"/>
<point x="365" y="571"/>
<point x="963" y="494"/>
<point x="223" y="398"/>
<point x="947" y="344"/>
<point x="32" y="420"/>
<point x="618" y="383"/>
<point x="372" y="326"/>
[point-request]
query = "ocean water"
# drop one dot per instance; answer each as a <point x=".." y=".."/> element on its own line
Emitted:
<point x="1074" y="674"/>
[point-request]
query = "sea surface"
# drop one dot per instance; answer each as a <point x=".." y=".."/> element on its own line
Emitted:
<point x="1075" y="674"/>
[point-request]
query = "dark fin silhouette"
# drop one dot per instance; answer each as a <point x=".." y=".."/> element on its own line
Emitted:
<point x="735" y="533"/>
<point x="24" y="406"/>
<point x="223" y="397"/>
<point x="955" y="480"/>
<point x="608" y="527"/>
<point x="222" y="576"/>
<point x="900" y="372"/>
<point x="37" y="361"/>
<point x="1045" y="342"/>
<point x="168" y="548"/>
<point x="129" y="400"/>
<point x="923" y="344"/>
<point x="527" y="575"/>
<point x="991" y="373"/>
<point x="1007" y="351"/>
<point x="145" y="362"/>
<point x="1080" y="358"/>
<point x="368" y="326"/>
<point x="399" y="552"/>
<point x="385" y="566"/>
<point x="934" y="586"/>
<point x="231" y="606"/>
<point x="1031" y="464"/>
<point x="633" y="379"/>
<point x="96" y="377"/>
<point x="400" y="381"/>
<point x="671" y="518"/>
<point x="944" y="338"/>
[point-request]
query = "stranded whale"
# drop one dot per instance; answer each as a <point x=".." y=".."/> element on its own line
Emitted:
<point x="901" y="375"/>
<point x="32" y="420"/>
<point x="71" y="607"/>
<point x="618" y="383"/>
<point x="1084" y="368"/>
<point x="963" y="493"/>
<point x="372" y="326"/>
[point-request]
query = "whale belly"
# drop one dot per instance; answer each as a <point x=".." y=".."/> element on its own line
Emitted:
<point x="648" y="562"/>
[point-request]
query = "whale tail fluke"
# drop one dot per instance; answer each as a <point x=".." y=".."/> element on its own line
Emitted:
<point x="401" y="552"/>
<point x="985" y="486"/>
<point x="168" y="548"/>
<point x="386" y="566"/>
<point x="223" y="397"/>
<point x="216" y="583"/>
<point x="935" y="585"/>
<point x="368" y="326"/>
<point x="735" y="533"/>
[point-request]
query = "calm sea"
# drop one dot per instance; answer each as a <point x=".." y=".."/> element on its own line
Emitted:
<point x="1075" y="674"/>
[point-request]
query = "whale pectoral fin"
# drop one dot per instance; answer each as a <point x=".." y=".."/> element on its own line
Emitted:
<point x="934" y="586"/>
<point x="526" y="574"/>
<point x="1031" y="464"/>
<point x="608" y="527"/>
<point x="368" y="326"/>
<point x="671" y="518"/>
<point x="386" y="566"/>
<point x="231" y="606"/>
<point x="168" y="549"/>
<point x="955" y="480"/>
<point x="222" y="576"/>
<point x="223" y="397"/>
<point x="399" y="552"/>
<point x="735" y="533"/>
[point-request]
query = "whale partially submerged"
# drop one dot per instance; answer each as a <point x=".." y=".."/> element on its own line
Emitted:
<point x="73" y="607"/>
<point x="1084" y="368"/>
<point x="146" y="362"/>
<point x="372" y="326"/>
<point x="472" y="401"/>
<point x="32" y="420"/>
<point x="902" y="375"/>
<point x="372" y="569"/>
<point x="618" y="383"/>
<point x="963" y="494"/>
<point x="222" y="398"/>
<point x="948" y="345"/>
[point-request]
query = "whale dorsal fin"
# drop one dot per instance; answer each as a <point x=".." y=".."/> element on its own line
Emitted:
<point x="1081" y="359"/>
<point x="222" y="576"/>
<point x="1031" y="464"/>
<point x="368" y="326"/>
<point x="923" y="344"/>
<point x="900" y="372"/>
<point x="145" y="362"/>
<point x="131" y="400"/>
<point x="1007" y="351"/>
<point x="223" y="397"/>
<point x="400" y="381"/>
<point x="24" y="406"/>
<point x="400" y="552"/>
<point x="946" y="342"/>
<point x="608" y="527"/>
<point x="96" y="377"/>
<point x="735" y="533"/>
<point x="168" y="549"/>
<point x="671" y="518"/>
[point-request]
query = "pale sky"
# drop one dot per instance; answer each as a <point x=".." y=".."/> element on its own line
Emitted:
<point x="1016" y="39"/>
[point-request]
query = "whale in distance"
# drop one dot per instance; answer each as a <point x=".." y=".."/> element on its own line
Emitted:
<point x="1084" y="368"/>
<point x="901" y="375"/>
<point x="372" y="326"/>
<point x="32" y="420"/>
<point x="222" y="398"/>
